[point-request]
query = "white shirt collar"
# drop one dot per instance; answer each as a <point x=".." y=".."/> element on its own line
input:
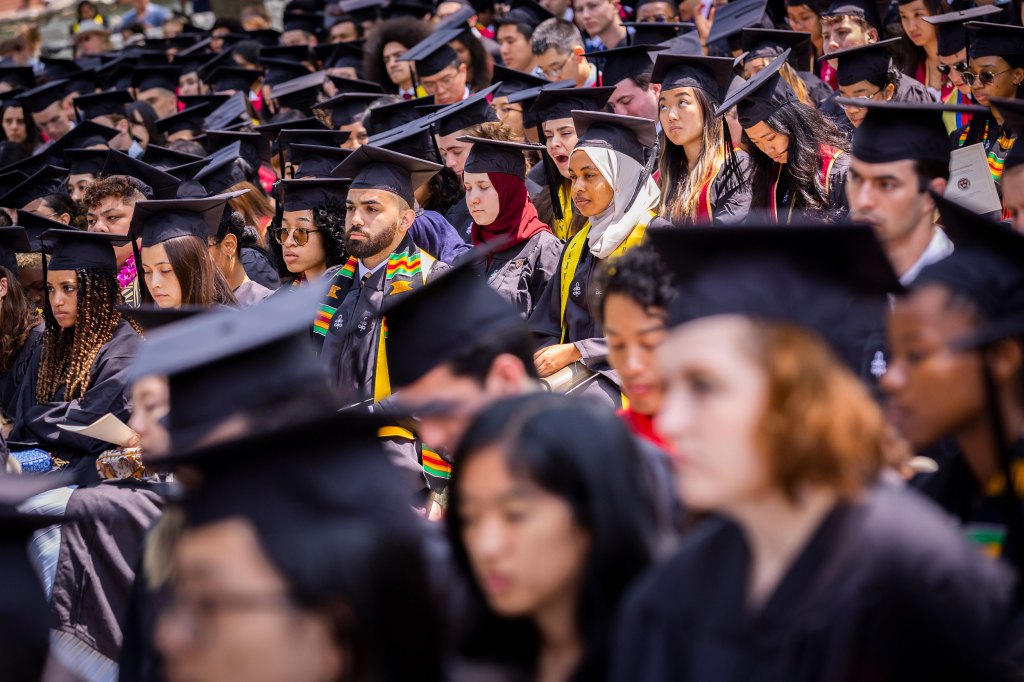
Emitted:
<point x="362" y="270"/>
<point x="938" y="248"/>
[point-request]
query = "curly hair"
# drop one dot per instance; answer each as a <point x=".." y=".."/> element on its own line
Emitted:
<point x="62" y="202"/>
<point x="68" y="354"/>
<point x="200" y="281"/>
<point x="406" y="31"/>
<point x="641" y="275"/>
<point x="17" y="318"/>
<point x="329" y="217"/>
<point x="126" y="188"/>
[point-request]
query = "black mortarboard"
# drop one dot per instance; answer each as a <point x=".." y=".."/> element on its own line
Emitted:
<point x="654" y="33"/>
<point x="85" y="134"/>
<point x="761" y="96"/>
<point x="48" y="180"/>
<point x="151" y="317"/>
<point x="735" y="16"/>
<point x="525" y="12"/>
<point x="433" y="54"/>
<point x="899" y="131"/>
<point x="986" y="265"/>
<point x="267" y="37"/>
<point x="299" y="93"/>
<point x="862" y="9"/>
<point x="310" y="22"/>
<point x="622" y="62"/>
<point x="344" y="85"/>
<point x="471" y="111"/>
<point x="38" y="98"/>
<point x="344" y="55"/>
<point x="255" y="147"/>
<point x="103" y="103"/>
<point x="988" y="40"/>
<point x="55" y="68"/>
<point x="554" y="102"/>
<point x="272" y="130"/>
<point x="223" y="173"/>
<point x="497" y="156"/>
<point x="80" y="250"/>
<point x="768" y="43"/>
<point x="165" y="77"/>
<point x="372" y="168"/>
<point x="192" y="62"/>
<point x="235" y="78"/>
<point x="11" y="179"/>
<point x="280" y="71"/>
<point x="417" y="9"/>
<point x="85" y="161"/>
<point x="18" y="76"/>
<point x="163" y="158"/>
<point x="389" y="116"/>
<point x="804" y="275"/>
<point x="308" y="193"/>
<point x="949" y="27"/>
<point x="83" y="82"/>
<point x="35" y="227"/>
<point x="315" y="161"/>
<point x="163" y="185"/>
<point x="528" y="98"/>
<point x="347" y="107"/>
<point x="1013" y="118"/>
<point x="287" y="53"/>
<point x="229" y="113"/>
<point x="195" y="100"/>
<point x="362" y="10"/>
<point x="711" y="74"/>
<point x="511" y="81"/>
<point x="630" y="135"/>
<point x="314" y="136"/>
<point x="864" y="62"/>
<point x="117" y="74"/>
<point x="157" y="221"/>
<point x="442" y="320"/>
<point x="191" y="119"/>
<point x="459" y="19"/>
<point x="13" y="240"/>
<point x="412" y="139"/>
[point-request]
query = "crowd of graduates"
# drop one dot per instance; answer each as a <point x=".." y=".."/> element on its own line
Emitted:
<point x="530" y="341"/>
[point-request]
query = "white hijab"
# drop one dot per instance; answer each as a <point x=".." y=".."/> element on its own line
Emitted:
<point x="611" y="227"/>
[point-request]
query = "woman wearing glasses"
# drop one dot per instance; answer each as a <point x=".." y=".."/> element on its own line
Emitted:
<point x="996" y="59"/>
<point x="867" y="73"/>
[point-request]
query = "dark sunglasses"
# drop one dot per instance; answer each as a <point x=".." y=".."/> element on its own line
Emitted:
<point x="944" y="69"/>
<point x="985" y="77"/>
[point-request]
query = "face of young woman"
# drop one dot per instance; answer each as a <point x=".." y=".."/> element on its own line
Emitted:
<point x="804" y="20"/>
<point x="526" y="550"/>
<point x="560" y="134"/>
<point x="151" y="401"/>
<point x="591" y="192"/>
<point x="714" y="401"/>
<point x="771" y="142"/>
<point x="309" y="256"/>
<point x="918" y="30"/>
<point x="681" y="116"/>
<point x="230" y="618"/>
<point x="860" y="90"/>
<point x="931" y="389"/>
<point x="62" y="289"/>
<point x="634" y="335"/>
<point x="514" y="47"/>
<point x="956" y="76"/>
<point x="14" y="125"/>
<point x="453" y="152"/>
<point x="112" y="216"/>
<point x="160" y="279"/>
<point x="1004" y="80"/>
<point x="510" y="115"/>
<point x="398" y="71"/>
<point x="481" y="198"/>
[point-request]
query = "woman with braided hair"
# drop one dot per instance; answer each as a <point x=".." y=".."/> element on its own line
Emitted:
<point x="79" y="374"/>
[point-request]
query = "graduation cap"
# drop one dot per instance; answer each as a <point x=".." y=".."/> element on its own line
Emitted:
<point x="49" y="180"/>
<point x="40" y="97"/>
<point x="864" y="63"/>
<point x="629" y="135"/>
<point x="417" y="9"/>
<point x="309" y="22"/>
<point x="85" y="134"/>
<point x="343" y="55"/>
<point x="497" y="156"/>
<point x="316" y="161"/>
<point x="554" y="103"/>
<point x="191" y="119"/>
<point x="308" y="193"/>
<point x="286" y="53"/>
<point x="345" y="108"/>
<point x="950" y="33"/>
<point x="55" y="68"/>
<point x="161" y="184"/>
<point x="192" y="63"/>
<point x="152" y="317"/>
<point x="117" y="74"/>
<point x="155" y="222"/>
<point x="195" y="100"/>
<point x="458" y="20"/>
<point x="255" y="148"/>
<point x="361" y="10"/>
<point x="344" y="85"/>
<point x="710" y="74"/>
<point x="280" y="70"/>
<point x="511" y="81"/>
<point x="622" y="62"/>
<point x="804" y="275"/>
<point x="389" y="116"/>
<point x="528" y="98"/>
<point x="761" y="96"/>
<point x="80" y="250"/>
<point x="373" y="168"/>
<point x="433" y="54"/>
<point x="1013" y="118"/>
<point x="862" y="9"/>
<point x="11" y="179"/>
<point x="163" y="158"/>
<point x="35" y="227"/>
<point x="272" y="130"/>
<point x="735" y="16"/>
<point x="235" y="78"/>
<point x="266" y="37"/>
<point x="222" y="173"/>
<point x="22" y="77"/>
<point x="986" y="40"/>
<point x="526" y="12"/>
<point x="898" y="131"/>
<point x="299" y="93"/>
<point x="165" y="77"/>
<point x="471" y="111"/>
<point x="85" y="161"/>
<point x="768" y="43"/>
<point x="312" y="136"/>
<point x="13" y="240"/>
<point x="102" y="104"/>
<point x="655" y="33"/>
<point x="229" y="113"/>
<point x="431" y="325"/>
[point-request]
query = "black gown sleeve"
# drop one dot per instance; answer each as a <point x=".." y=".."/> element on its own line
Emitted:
<point x="546" y="320"/>
<point x="838" y="206"/>
<point x="258" y="267"/>
<point x="731" y="193"/>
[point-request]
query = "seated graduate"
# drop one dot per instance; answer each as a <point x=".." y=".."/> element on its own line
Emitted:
<point x="20" y="324"/>
<point x="176" y="264"/>
<point x="702" y="178"/>
<point x="612" y="187"/>
<point x="87" y="348"/>
<point x="525" y="252"/>
<point x="978" y="286"/>
<point x="548" y="541"/>
<point x="808" y="568"/>
<point x="226" y="248"/>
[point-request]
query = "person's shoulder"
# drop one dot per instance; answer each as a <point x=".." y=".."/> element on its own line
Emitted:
<point x="658" y="222"/>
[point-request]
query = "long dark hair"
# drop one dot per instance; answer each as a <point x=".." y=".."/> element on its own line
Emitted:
<point x="148" y="115"/>
<point x="329" y="217"/>
<point x="17" y="318"/>
<point x="568" y="449"/>
<point x="406" y="31"/>
<point x="33" y="138"/>
<point x="200" y="281"/>
<point x="478" y="71"/>
<point x="808" y="131"/>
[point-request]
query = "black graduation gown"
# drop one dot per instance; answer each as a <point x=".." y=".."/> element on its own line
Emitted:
<point x="521" y="273"/>
<point x="884" y="590"/>
<point x="909" y="89"/>
<point x="259" y="269"/>
<point x="11" y="380"/>
<point x="817" y="89"/>
<point x="458" y="216"/>
<point x="108" y="392"/>
<point x="730" y="193"/>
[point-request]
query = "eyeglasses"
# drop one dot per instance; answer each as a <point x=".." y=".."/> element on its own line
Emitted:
<point x="197" y="613"/>
<point x="985" y="77"/>
<point x="299" y="234"/>
<point x="432" y="86"/>
<point x="944" y="69"/>
<point x="555" y="72"/>
<point x="847" y="107"/>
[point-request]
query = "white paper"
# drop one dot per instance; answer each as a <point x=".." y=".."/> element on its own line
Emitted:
<point x="108" y="428"/>
<point x="970" y="181"/>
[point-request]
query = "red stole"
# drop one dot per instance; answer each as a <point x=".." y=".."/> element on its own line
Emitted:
<point x="828" y="158"/>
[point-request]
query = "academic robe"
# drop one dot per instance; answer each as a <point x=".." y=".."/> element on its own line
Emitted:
<point x="250" y="292"/>
<point x="12" y="379"/>
<point x="437" y="236"/>
<point x="783" y="204"/>
<point x="726" y="198"/>
<point x="108" y="392"/>
<point x="458" y="216"/>
<point x="520" y="274"/>
<point x="258" y="267"/>
<point x="883" y="590"/>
